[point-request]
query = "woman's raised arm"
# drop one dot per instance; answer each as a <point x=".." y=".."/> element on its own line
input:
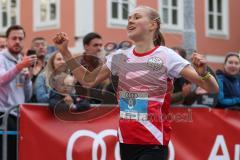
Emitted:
<point x="84" y="77"/>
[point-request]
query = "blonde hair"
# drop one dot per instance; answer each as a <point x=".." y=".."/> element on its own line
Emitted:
<point x="154" y="15"/>
<point x="49" y="69"/>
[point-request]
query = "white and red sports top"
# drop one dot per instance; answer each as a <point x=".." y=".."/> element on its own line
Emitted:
<point x="145" y="84"/>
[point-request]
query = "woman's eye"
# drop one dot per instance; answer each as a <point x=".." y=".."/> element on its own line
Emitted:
<point x="137" y="17"/>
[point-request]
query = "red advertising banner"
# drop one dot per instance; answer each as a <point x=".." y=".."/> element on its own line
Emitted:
<point x="198" y="134"/>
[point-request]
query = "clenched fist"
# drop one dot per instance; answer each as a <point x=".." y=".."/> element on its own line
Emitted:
<point x="60" y="38"/>
<point x="61" y="41"/>
<point x="200" y="63"/>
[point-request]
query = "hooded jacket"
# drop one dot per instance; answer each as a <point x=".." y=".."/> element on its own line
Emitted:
<point x="15" y="88"/>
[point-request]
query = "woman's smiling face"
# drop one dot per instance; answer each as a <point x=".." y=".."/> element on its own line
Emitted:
<point x="138" y="23"/>
<point x="232" y="65"/>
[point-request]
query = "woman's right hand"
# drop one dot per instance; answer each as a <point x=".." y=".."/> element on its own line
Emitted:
<point x="61" y="41"/>
<point x="199" y="63"/>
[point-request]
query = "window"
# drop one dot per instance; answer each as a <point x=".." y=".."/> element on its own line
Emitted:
<point x="216" y="17"/>
<point x="171" y="13"/>
<point x="46" y="14"/>
<point x="9" y="10"/>
<point x="118" y="11"/>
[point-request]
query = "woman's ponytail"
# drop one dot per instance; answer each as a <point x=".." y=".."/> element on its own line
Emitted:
<point x="159" y="39"/>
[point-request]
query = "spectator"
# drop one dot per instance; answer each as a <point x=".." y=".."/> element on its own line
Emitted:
<point x="39" y="44"/>
<point x="42" y="47"/>
<point x="229" y="82"/>
<point x="182" y="52"/>
<point x="3" y="43"/>
<point x="190" y="94"/>
<point x="41" y="87"/>
<point x="199" y="97"/>
<point x="182" y="87"/>
<point x="92" y="43"/>
<point x="15" y="83"/>
<point x="63" y="95"/>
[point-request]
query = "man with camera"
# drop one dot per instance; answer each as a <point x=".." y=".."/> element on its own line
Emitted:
<point x="15" y="83"/>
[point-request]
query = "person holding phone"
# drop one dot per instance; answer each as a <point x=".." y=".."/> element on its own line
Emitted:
<point x="31" y="52"/>
<point x="15" y="83"/>
<point x="39" y="47"/>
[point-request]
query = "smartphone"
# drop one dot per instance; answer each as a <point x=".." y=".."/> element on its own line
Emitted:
<point x="31" y="52"/>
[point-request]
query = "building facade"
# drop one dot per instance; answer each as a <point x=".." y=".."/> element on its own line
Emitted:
<point x="214" y="27"/>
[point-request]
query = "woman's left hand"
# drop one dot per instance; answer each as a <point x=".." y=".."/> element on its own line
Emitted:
<point x="199" y="63"/>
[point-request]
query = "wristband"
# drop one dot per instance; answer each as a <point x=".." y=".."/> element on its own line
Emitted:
<point x="206" y="76"/>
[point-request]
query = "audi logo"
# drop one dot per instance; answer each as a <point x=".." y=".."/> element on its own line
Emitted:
<point x="98" y="140"/>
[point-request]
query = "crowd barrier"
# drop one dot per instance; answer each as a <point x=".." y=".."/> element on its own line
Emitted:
<point x="5" y="132"/>
<point x="198" y="133"/>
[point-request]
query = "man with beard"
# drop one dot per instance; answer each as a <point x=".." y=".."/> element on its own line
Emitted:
<point x="39" y="44"/>
<point x="15" y="82"/>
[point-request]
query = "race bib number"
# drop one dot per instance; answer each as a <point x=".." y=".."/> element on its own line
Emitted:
<point x="133" y="105"/>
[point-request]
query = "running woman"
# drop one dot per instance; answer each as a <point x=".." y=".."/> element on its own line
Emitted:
<point x="145" y="72"/>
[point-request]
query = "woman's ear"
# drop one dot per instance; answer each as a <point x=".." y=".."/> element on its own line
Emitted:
<point x="153" y="25"/>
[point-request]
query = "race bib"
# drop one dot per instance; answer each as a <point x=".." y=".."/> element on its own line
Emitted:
<point x="133" y="105"/>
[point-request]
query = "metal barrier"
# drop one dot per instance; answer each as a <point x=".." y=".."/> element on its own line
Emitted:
<point x="5" y="132"/>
